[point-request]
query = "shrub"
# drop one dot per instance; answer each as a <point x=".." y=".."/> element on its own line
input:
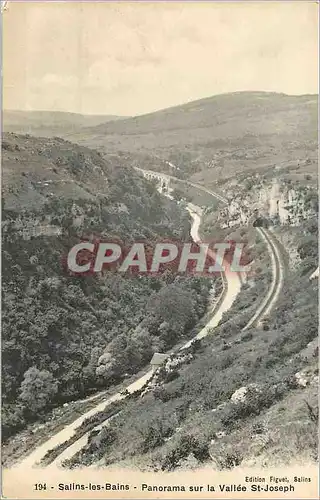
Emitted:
<point x="231" y="460"/>
<point x="172" y="375"/>
<point x="187" y="444"/>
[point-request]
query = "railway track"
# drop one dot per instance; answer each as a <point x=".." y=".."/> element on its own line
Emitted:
<point x="277" y="269"/>
<point x="183" y="181"/>
<point x="231" y="286"/>
<point x="224" y="303"/>
<point x="269" y="301"/>
<point x="262" y="312"/>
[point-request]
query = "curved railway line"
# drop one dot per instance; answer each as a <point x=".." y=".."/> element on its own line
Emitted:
<point x="269" y="301"/>
<point x="277" y="269"/>
<point x="223" y="303"/>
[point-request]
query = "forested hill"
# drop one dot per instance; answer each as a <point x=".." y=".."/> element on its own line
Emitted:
<point x="56" y="327"/>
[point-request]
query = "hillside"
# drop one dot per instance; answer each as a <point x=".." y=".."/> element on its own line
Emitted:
<point x="245" y="398"/>
<point x="56" y="326"/>
<point x="50" y="123"/>
<point x="219" y="136"/>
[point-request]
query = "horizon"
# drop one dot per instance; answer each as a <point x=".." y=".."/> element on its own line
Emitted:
<point x="158" y="110"/>
<point x="127" y="59"/>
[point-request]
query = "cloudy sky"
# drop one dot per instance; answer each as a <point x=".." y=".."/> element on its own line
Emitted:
<point x="129" y="58"/>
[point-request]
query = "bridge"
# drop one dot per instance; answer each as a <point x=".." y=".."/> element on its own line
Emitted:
<point x="163" y="179"/>
<point x="67" y="442"/>
<point x="164" y="183"/>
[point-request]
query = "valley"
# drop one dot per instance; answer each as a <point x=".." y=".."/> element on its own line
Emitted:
<point x="240" y="372"/>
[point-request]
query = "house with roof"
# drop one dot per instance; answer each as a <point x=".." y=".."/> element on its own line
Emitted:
<point x="157" y="360"/>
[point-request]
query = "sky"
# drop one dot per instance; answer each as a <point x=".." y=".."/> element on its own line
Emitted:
<point x="130" y="58"/>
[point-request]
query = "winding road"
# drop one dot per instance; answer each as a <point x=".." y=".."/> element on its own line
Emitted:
<point x="266" y="235"/>
<point x="229" y="294"/>
<point x="232" y="287"/>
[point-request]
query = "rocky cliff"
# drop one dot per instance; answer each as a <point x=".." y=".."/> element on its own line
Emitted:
<point x="280" y="201"/>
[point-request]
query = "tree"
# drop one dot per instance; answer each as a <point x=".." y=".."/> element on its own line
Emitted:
<point x="179" y="194"/>
<point x="174" y="306"/>
<point x="89" y="371"/>
<point x="37" y="389"/>
<point x="141" y="341"/>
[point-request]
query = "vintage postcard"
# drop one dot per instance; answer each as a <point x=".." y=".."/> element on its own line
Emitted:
<point x="159" y="249"/>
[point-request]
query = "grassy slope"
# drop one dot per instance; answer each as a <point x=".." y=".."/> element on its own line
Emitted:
<point x="192" y="416"/>
<point x="50" y="123"/>
<point x="220" y="135"/>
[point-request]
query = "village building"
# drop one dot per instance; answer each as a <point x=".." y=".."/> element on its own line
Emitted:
<point x="158" y="359"/>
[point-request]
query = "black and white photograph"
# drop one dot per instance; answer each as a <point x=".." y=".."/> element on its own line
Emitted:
<point x="160" y="264"/>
